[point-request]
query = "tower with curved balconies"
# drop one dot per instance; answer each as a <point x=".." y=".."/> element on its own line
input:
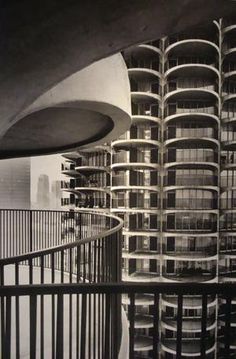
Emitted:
<point x="173" y="182"/>
<point x="87" y="179"/>
<point x="136" y="182"/>
<point x="227" y="263"/>
<point x="191" y="146"/>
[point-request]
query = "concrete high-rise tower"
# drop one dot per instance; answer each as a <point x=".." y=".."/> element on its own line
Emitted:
<point x="173" y="182"/>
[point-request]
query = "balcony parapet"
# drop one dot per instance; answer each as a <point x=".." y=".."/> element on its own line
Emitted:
<point x="135" y="143"/>
<point x="198" y="278"/>
<point x="143" y="51"/>
<point x="191" y="325"/>
<point x="134" y="165"/>
<point x="200" y="70"/>
<point x="189" y="302"/>
<point x="194" y="163"/>
<point x="142" y="73"/>
<point x="89" y="169"/>
<point x="191" y="93"/>
<point x="128" y="187"/>
<point x="192" y="141"/>
<point x="208" y="115"/>
<point x="145" y="97"/>
<point x="229" y="73"/>
<point x="228" y="26"/>
<point x="191" y="256"/>
<point x="186" y="44"/>
<point x="187" y="183"/>
<point x="191" y="203"/>
<point x="144" y="119"/>
<point x="189" y="348"/>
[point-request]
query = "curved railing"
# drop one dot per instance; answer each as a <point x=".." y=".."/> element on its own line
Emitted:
<point x="76" y="309"/>
<point x="55" y="247"/>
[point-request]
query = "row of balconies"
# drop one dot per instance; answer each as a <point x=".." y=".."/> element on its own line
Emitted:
<point x="176" y="203"/>
<point x="177" y="180"/>
<point x="150" y="157"/>
<point x="180" y="275"/>
<point x="188" y="222"/>
<point x="172" y="155"/>
<point x="178" y="251"/>
<point x="177" y="107"/>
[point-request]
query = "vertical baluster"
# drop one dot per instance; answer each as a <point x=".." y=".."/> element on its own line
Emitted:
<point x="99" y="261"/>
<point x="179" y="326"/>
<point x="103" y="259"/>
<point x="99" y="326"/>
<point x="227" y="326"/>
<point x="2" y="312"/>
<point x="84" y="263"/>
<point x="89" y="299"/>
<point x="17" y="314"/>
<point x="31" y="232"/>
<point x="70" y="307"/>
<point x="95" y="261"/>
<point x="78" y="252"/>
<point x="89" y="263"/>
<point x="8" y="329"/>
<point x="60" y="328"/>
<point x="77" y="326"/>
<point x="89" y="325"/>
<point x="53" y="304"/>
<point x="203" y="326"/>
<point x="131" y="325"/>
<point x="62" y="266"/>
<point x="33" y="326"/>
<point x="42" y="310"/>
<point x="83" y="327"/>
<point x="94" y="326"/>
<point x="30" y="271"/>
<point x="103" y="323"/>
<point x="155" y="325"/>
<point x="107" y="353"/>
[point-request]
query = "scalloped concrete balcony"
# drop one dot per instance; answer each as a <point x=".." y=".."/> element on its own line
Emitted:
<point x="56" y="120"/>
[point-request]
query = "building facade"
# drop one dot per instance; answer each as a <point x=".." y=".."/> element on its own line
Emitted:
<point x="15" y="183"/>
<point x="173" y="182"/>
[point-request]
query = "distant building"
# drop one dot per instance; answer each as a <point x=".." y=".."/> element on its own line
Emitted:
<point x="15" y="183"/>
<point x="55" y="195"/>
<point x="43" y="192"/>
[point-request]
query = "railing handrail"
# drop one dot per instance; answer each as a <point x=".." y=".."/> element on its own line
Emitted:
<point x="75" y="243"/>
<point x="225" y="289"/>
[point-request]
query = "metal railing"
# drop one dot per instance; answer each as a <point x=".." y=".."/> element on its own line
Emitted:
<point x="109" y="292"/>
<point x="42" y="248"/>
<point x="64" y="300"/>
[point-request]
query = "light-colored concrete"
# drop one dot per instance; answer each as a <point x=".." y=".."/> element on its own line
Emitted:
<point x="87" y="107"/>
<point x="43" y="43"/>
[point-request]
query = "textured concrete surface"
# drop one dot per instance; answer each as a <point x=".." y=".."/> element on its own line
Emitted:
<point x="89" y="106"/>
<point x="44" y="42"/>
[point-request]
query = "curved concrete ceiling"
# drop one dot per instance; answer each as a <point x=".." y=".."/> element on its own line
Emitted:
<point x="88" y="107"/>
<point x="44" y="42"/>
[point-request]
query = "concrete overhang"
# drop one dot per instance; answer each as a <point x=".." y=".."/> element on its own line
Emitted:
<point x="43" y="43"/>
<point x="88" y="107"/>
